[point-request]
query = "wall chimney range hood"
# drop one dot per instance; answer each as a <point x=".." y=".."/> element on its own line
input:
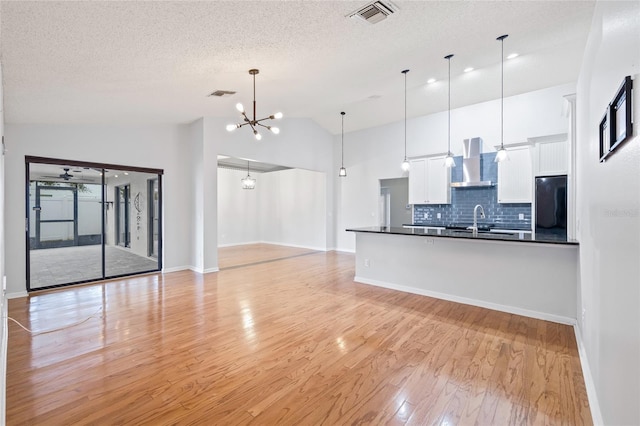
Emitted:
<point x="471" y="165"/>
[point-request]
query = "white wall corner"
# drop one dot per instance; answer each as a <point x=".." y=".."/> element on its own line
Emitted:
<point x="594" y="406"/>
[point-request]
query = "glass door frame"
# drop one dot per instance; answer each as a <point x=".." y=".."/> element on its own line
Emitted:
<point x="126" y="232"/>
<point x="152" y="217"/>
<point x="58" y="161"/>
<point x="38" y="209"/>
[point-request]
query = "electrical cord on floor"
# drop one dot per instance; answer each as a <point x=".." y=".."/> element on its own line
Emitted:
<point x="55" y="329"/>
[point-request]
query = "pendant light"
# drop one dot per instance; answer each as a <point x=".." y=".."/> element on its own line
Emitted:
<point x="248" y="182"/>
<point x="405" y="163"/>
<point x="502" y="155"/>
<point x="448" y="160"/>
<point x="343" y="171"/>
<point x="254" y="123"/>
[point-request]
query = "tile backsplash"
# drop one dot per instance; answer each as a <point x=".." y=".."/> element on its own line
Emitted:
<point x="463" y="200"/>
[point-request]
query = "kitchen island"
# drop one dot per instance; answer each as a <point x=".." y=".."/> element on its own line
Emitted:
<point x="515" y="272"/>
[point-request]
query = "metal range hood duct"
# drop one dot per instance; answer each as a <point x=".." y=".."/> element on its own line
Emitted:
<point x="471" y="167"/>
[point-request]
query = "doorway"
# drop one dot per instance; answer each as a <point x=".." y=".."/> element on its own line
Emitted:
<point x="394" y="206"/>
<point x="90" y="221"/>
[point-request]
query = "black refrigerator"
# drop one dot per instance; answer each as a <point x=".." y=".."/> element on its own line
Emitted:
<point x="551" y="206"/>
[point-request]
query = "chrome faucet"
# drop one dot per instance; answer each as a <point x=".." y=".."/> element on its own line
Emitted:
<point x="474" y="228"/>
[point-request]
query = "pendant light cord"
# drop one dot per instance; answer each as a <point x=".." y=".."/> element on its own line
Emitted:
<point x="448" y="58"/>
<point x="254" y="97"/>
<point x="342" y="113"/>
<point x="502" y="94"/>
<point x="405" y="113"/>
<point x="501" y="38"/>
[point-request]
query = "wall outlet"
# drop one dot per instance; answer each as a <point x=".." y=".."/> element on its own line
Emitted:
<point x="367" y="263"/>
<point x="429" y="241"/>
<point x="439" y="216"/>
<point x="521" y="216"/>
<point x="426" y="216"/>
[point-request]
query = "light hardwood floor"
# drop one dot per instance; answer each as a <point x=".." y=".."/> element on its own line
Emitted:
<point x="292" y="341"/>
<point x="249" y="254"/>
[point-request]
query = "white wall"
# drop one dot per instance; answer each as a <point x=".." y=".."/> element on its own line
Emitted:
<point x="161" y="146"/>
<point x="196" y="193"/>
<point x="238" y="209"/>
<point x="287" y="207"/>
<point x="293" y="208"/>
<point x="301" y="144"/>
<point x="373" y="154"/>
<point x="3" y="307"/>
<point x="609" y="217"/>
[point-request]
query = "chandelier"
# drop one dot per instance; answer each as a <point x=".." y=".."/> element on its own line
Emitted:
<point x="248" y="182"/>
<point x="254" y="123"/>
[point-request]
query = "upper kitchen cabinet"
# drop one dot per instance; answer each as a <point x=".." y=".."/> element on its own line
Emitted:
<point x="429" y="181"/>
<point x="515" y="177"/>
<point x="552" y="158"/>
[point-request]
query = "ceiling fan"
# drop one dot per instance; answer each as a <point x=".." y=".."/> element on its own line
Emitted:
<point x="66" y="175"/>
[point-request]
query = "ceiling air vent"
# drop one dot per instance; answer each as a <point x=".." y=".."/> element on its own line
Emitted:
<point x="374" y="12"/>
<point x="220" y="93"/>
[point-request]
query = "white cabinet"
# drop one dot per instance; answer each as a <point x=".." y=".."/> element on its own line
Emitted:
<point x="552" y="158"/>
<point x="515" y="177"/>
<point x="429" y="181"/>
<point x="417" y="181"/>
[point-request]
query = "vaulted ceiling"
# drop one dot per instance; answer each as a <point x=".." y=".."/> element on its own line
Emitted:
<point x="156" y="61"/>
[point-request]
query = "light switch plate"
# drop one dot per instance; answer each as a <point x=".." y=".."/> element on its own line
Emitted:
<point x="521" y="216"/>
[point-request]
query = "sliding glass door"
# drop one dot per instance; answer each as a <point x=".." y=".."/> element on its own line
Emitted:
<point x="128" y="223"/>
<point x="153" y="217"/>
<point x="89" y="221"/>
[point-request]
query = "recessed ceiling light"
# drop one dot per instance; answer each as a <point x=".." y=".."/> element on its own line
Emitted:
<point x="126" y="174"/>
<point x="431" y="80"/>
<point x="513" y="55"/>
<point x="469" y="69"/>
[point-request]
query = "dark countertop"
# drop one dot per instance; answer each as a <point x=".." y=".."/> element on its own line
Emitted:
<point x="457" y="233"/>
<point x="486" y="226"/>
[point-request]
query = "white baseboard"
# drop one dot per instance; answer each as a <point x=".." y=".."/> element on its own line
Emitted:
<point x="596" y="414"/>
<point x="274" y="244"/>
<point x="294" y="245"/>
<point x="209" y="270"/>
<point x="176" y="269"/>
<point x="468" y="301"/>
<point x="343" y="250"/>
<point x="17" y="295"/>
<point x="238" y="244"/>
<point x="3" y="360"/>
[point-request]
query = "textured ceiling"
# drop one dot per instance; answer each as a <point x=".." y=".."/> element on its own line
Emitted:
<point x="156" y="62"/>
